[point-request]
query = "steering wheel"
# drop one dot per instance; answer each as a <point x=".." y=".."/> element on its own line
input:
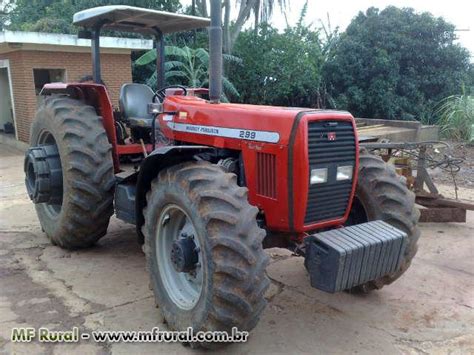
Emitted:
<point x="160" y="93"/>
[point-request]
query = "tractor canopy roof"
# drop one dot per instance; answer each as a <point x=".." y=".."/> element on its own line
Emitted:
<point x="134" y="19"/>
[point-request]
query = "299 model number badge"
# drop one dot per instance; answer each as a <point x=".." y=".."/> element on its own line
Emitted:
<point x="260" y="136"/>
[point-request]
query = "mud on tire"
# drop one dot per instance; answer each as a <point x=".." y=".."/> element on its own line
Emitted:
<point x="233" y="259"/>
<point x="381" y="194"/>
<point x="87" y="172"/>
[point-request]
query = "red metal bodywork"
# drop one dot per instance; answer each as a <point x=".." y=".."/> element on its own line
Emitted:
<point x="264" y="118"/>
<point x="196" y="111"/>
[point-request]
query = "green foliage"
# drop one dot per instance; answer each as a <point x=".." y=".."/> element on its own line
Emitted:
<point x="56" y="15"/>
<point x="281" y="68"/>
<point x="5" y="7"/>
<point x="396" y="64"/>
<point x="187" y="66"/>
<point x="456" y="116"/>
<point x="393" y="63"/>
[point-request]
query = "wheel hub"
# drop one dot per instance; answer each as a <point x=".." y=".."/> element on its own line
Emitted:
<point x="44" y="180"/>
<point x="184" y="253"/>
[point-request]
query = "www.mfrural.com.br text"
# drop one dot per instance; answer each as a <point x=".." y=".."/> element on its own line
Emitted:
<point x="155" y="335"/>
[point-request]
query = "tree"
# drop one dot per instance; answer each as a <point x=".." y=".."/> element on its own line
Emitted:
<point x="199" y="7"/>
<point x="395" y="64"/>
<point x="280" y="68"/>
<point x="262" y="10"/>
<point x="56" y="15"/>
<point x="187" y="66"/>
<point x="4" y="7"/>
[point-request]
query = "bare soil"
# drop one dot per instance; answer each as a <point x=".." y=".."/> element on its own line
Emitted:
<point x="465" y="176"/>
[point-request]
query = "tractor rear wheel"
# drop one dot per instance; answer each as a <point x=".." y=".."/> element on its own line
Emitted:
<point x="69" y="172"/>
<point x="381" y="194"/>
<point x="204" y="250"/>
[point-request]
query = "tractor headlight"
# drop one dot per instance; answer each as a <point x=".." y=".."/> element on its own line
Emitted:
<point x="319" y="176"/>
<point x="344" y="172"/>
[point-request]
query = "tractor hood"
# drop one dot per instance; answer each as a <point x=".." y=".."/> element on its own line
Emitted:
<point x="226" y="125"/>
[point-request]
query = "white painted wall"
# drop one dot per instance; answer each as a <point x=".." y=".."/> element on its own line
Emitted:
<point x="56" y="39"/>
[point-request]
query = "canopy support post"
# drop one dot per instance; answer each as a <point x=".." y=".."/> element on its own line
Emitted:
<point x="160" y="59"/>
<point x="95" y="44"/>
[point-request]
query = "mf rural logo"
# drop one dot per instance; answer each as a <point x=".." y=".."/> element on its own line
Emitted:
<point x="44" y="335"/>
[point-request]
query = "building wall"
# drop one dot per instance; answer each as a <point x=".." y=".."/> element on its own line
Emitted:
<point x="116" y="70"/>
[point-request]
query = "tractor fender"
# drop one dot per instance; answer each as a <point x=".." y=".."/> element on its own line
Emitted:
<point x="157" y="160"/>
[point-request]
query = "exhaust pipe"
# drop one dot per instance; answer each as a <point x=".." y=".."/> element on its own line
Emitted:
<point x="215" y="52"/>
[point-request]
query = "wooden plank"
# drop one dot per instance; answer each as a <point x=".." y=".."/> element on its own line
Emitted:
<point x="445" y="202"/>
<point x="442" y="215"/>
<point x="367" y="128"/>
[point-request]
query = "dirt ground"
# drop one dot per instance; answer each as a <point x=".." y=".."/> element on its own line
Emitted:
<point x="429" y="310"/>
<point x="465" y="176"/>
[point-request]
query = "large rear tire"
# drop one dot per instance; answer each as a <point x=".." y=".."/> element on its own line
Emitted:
<point x="226" y="278"/>
<point x="381" y="194"/>
<point x="76" y="132"/>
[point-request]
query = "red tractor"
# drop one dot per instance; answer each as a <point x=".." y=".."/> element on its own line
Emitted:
<point x="209" y="185"/>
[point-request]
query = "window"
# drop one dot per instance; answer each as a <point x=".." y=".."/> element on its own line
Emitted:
<point x="45" y="76"/>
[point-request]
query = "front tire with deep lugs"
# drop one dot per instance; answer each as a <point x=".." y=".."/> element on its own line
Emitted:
<point x="216" y="210"/>
<point x="82" y="215"/>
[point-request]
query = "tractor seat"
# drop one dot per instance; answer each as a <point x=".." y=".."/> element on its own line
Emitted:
<point x="133" y="102"/>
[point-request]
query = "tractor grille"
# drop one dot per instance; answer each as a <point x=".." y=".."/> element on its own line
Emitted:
<point x="330" y="144"/>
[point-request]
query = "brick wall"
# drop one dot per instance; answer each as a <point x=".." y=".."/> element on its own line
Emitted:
<point x="116" y="70"/>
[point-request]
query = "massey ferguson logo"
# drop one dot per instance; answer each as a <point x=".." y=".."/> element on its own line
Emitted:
<point x="331" y="136"/>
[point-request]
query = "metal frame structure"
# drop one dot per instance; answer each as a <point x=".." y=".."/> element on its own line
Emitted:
<point x="159" y="46"/>
<point x="142" y="21"/>
<point x="437" y="208"/>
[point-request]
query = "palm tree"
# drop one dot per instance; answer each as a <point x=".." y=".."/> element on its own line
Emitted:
<point x="187" y="66"/>
<point x="261" y="9"/>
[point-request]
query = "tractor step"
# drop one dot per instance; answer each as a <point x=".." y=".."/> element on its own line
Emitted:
<point x="342" y="258"/>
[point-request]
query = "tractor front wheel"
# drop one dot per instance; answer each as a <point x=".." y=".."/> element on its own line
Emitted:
<point x="204" y="250"/>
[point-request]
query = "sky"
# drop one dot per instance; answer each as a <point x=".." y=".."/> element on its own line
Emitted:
<point x="458" y="12"/>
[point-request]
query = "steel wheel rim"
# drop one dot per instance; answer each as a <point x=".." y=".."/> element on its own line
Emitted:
<point x="182" y="288"/>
